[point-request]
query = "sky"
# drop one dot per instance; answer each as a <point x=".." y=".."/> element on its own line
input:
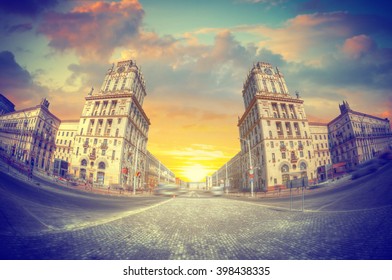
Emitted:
<point x="195" y="56"/>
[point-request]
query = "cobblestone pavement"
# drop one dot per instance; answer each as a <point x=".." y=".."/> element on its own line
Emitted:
<point x="217" y="228"/>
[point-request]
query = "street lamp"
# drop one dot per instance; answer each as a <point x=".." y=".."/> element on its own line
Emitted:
<point x="250" y="165"/>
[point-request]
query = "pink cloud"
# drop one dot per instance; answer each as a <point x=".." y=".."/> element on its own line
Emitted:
<point x="358" y="46"/>
<point x="93" y="30"/>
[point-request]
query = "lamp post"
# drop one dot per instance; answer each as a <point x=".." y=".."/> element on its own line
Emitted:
<point x="250" y="165"/>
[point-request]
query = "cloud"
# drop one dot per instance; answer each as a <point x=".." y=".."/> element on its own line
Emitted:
<point x="27" y="7"/>
<point x="11" y="74"/>
<point x="197" y="152"/>
<point x="93" y="29"/>
<point x="19" y="28"/>
<point x="17" y="83"/>
<point x="358" y="46"/>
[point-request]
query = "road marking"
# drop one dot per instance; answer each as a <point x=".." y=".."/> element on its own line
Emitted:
<point x="315" y="210"/>
<point x="108" y="220"/>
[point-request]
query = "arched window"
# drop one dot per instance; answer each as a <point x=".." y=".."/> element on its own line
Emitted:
<point x="101" y="165"/>
<point x="302" y="166"/>
<point x="285" y="168"/>
<point x="84" y="162"/>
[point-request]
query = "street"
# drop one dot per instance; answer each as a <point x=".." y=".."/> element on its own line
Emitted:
<point x="347" y="222"/>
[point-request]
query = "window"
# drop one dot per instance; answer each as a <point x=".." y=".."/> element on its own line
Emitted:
<point x="113" y="154"/>
<point x="101" y="165"/>
<point x="83" y="162"/>
<point x="285" y="168"/>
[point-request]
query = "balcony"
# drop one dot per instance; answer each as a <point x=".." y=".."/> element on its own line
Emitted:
<point x="104" y="146"/>
<point x="85" y="144"/>
<point x="92" y="157"/>
<point x="282" y="148"/>
<point x="294" y="159"/>
<point x="300" y="147"/>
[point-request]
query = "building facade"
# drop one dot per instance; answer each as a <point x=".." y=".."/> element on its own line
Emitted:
<point x="276" y="144"/>
<point x="322" y="156"/>
<point x="279" y="144"/>
<point x="229" y="175"/>
<point x="357" y="137"/>
<point x="157" y="173"/>
<point x="65" y="139"/>
<point x="110" y="143"/>
<point x="28" y="136"/>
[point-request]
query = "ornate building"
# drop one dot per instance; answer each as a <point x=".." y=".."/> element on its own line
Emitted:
<point x="274" y="132"/>
<point x="110" y="143"/>
<point x="28" y="136"/>
<point x="357" y="137"/>
<point x="278" y="144"/>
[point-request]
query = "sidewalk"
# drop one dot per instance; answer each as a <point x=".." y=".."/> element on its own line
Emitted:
<point x="294" y="192"/>
<point x="52" y="181"/>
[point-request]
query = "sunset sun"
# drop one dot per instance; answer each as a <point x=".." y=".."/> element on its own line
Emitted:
<point x="195" y="173"/>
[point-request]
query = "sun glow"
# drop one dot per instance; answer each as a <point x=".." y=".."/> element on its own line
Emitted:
<point x="195" y="173"/>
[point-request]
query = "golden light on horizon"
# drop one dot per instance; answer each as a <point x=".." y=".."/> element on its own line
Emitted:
<point x="194" y="173"/>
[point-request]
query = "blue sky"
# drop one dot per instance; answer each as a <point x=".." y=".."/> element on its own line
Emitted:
<point x="195" y="56"/>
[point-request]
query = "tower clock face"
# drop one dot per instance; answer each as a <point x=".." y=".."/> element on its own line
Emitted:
<point x="268" y="71"/>
<point x="120" y="69"/>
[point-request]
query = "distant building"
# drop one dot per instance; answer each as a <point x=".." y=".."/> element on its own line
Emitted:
<point x="357" y="137"/>
<point x="322" y="156"/>
<point x="157" y="173"/>
<point x="28" y="136"/>
<point x="6" y="106"/>
<point x="65" y="139"/>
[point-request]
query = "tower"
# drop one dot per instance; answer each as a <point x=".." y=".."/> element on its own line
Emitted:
<point x="275" y="128"/>
<point x="110" y="144"/>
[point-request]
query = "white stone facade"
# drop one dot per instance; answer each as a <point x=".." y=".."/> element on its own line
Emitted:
<point x="285" y="146"/>
<point x="28" y="136"/>
<point x="275" y="127"/>
<point x="357" y="137"/>
<point x="322" y="156"/>
<point x="110" y="144"/>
